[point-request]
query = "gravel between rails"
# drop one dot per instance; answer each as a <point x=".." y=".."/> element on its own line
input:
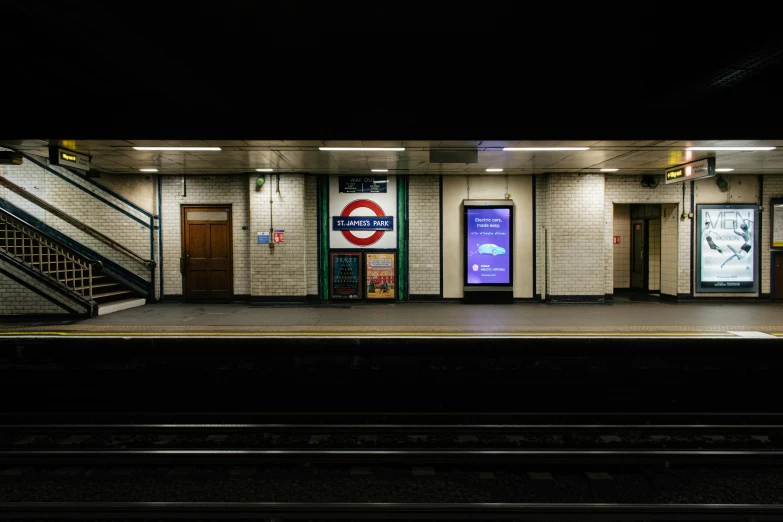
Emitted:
<point x="687" y="485"/>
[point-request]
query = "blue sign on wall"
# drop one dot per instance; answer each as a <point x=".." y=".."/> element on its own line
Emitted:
<point x="263" y="238"/>
<point x="362" y="223"/>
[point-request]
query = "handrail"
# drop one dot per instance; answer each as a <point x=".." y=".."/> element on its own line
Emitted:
<point x="149" y="263"/>
<point x="94" y="262"/>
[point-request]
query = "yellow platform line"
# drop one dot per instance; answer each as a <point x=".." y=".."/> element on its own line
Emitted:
<point x="115" y="334"/>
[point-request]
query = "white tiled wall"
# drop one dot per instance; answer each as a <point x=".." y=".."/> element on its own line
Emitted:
<point x="285" y="270"/>
<point x="84" y="207"/>
<point x="311" y="233"/>
<point x="654" y="254"/>
<point x="627" y="190"/>
<point x="621" y="257"/>
<point x="576" y="235"/>
<point x="424" y="234"/>
<point x="773" y="188"/>
<point x="217" y="190"/>
<point x="670" y="228"/>
<point x="17" y="299"/>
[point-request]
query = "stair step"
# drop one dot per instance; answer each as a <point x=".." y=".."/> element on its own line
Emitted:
<point x="94" y="286"/>
<point x="124" y="304"/>
<point x="110" y="294"/>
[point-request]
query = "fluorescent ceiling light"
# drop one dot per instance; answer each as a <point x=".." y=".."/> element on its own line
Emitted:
<point x="494" y="170"/>
<point x="724" y="170"/>
<point x="730" y="148"/>
<point x="380" y="170"/>
<point x="609" y="170"/>
<point x="265" y="170"/>
<point x="363" y="148"/>
<point x="149" y="170"/>
<point x="177" y="148"/>
<point x="513" y="149"/>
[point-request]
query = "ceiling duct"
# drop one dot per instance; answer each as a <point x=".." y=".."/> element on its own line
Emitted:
<point x="453" y="156"/>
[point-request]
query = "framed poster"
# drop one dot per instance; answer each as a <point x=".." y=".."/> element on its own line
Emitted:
<point x="727" y="248"/>
<point x="344" y="276"/>
<point x="489" y="252"/>
<point x="379" y="273"/>
<point x="776" y="236"/>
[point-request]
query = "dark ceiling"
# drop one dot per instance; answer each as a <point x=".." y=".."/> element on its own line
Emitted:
<point x="256" y="70"/>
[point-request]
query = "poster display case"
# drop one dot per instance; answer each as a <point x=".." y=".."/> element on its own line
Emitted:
<point x="345" y="276"/>
<point x="727" y="250"/>
<point x="489" y="247"/>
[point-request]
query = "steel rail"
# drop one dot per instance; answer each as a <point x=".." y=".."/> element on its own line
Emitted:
<point x="419" y="456"/>
<point x="384" y="511"/>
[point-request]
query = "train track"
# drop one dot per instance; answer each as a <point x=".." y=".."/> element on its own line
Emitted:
<point x="552" y="439"/>
<point x="382" y="511"/>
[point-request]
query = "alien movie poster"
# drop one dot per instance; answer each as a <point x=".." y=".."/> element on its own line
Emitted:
<point x="727" y="248"/>
<point x="488" y="251"/>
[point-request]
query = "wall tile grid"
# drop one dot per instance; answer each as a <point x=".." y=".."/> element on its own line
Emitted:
<point x="311" y="233"/>
<point x="576" y="235"/>
<point x="217" y="190"/>
<point x="542" y="221"/>
<point x="285" y="270"/>
<point x="424" y="234"/>
<point x="18" y="299"/>
<point x="621" y="257"/>
<point x="628" y="190"/>
<point x="654" y="255"/>
<point x="773" y="188"/>
<point x="84" y="207"/>
<point x="670" y="222"/>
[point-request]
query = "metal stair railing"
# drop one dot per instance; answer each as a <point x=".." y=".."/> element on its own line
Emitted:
<point x="149" y="263"/>
<point x="45" y="255"/>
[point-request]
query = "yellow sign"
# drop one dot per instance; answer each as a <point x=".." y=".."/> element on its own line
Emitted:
<point x="379" y="273"/>
<point x="674" y="174"/>
<point x="68" y="157"/>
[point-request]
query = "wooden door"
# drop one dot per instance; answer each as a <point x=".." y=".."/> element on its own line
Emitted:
<point x="207" y="249"/>
<point x="777" y="276"/>
<point x="639" y="254"/>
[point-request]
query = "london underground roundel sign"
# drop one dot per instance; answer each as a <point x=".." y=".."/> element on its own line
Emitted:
<point x="357" y="204"/>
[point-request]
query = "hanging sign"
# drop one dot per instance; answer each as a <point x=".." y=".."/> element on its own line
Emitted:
<point x="698" y="169"/>
<point x="68" y="158"/>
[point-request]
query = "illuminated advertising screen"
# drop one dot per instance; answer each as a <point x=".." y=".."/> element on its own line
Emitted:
<point x="488" y="245"/>
<point x="727" y="248"/>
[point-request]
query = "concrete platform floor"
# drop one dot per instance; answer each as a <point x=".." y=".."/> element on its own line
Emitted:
<point x="643" y="319"/>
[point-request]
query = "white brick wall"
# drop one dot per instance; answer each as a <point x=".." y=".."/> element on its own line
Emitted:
<point x="670" y="226"/>
<point x="628" y="189"/>
<point x="424" y="234"/>
<point x="576" y="234"/>
<point x="773" y="188"/>
<point x="84" y="207"/>
<point x="17" y="299"/>
<point x="285" y="270"/>
<point x="217" y="190"/>
<point x="311" y="233"/>
<point x="621" y="254"/>
<point x="654" y="254"/>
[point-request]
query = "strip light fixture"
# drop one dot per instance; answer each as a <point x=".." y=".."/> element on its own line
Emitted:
<point x="379" y="170"/>
<point x="731" y="148"/>
<point x="376" y="149"/>
<point x="177" y="148"/>
<point x="521" y="149"/>
<point x="265" y="170"/>
<point x="724" y="170"/>
<point x="148" y="170"/>
<point x="609" y="170"/>
<point x="494" y="170"/>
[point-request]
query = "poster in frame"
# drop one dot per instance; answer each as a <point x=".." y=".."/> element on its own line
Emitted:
<point x="776" y="220"/>
<point x="488" y="256"/>
<point x="345" y="275"/>
<point x="380" y="282"/>
<point x="727" y="252"/>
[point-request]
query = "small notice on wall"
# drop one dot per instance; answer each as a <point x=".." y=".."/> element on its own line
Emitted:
<point x="279" y="236"/>
<point x="616" y="240"/>
<point x="263" y="238"/>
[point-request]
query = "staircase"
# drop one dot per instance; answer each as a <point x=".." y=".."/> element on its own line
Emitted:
<point x="77" y="276"/>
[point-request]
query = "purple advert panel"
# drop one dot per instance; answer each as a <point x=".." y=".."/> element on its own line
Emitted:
<point x="488" y="246"/>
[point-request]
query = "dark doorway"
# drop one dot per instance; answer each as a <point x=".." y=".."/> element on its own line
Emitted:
<point x="777" y="275"/>
<point x="638" y="254"/>
<point x="207" y="253"/>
